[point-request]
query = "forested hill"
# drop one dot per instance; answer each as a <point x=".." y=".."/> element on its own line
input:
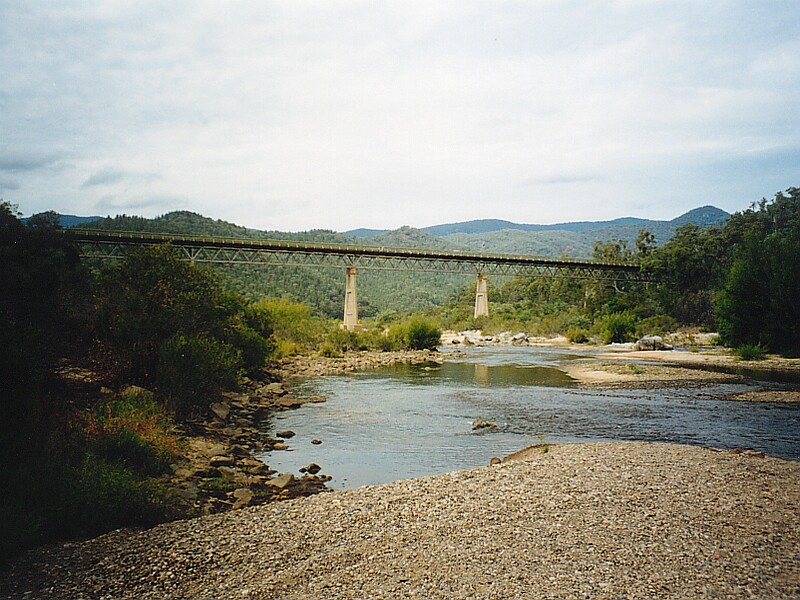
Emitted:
<point x="400" y="291"/>
<point x="574" y="239"/>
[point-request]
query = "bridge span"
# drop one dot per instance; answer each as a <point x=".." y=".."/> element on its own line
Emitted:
<point x="112" y="245"/>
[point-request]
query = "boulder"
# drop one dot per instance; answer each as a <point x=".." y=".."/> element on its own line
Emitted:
<point x="652" y="342"/>
<point x="220" y="410"/>
<point x="285" y="434"/>
<point x="244" y="497"/>
<point x="311" y="469"/>
<point x="480" y="423"/>
<point x="221" y="461"/>
<point x="275" y="388"/>
<point x="316" y="442"/>
<point x="281" y="481"/>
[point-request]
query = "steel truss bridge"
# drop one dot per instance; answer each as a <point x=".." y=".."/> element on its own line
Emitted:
<point x="110" y="245"/>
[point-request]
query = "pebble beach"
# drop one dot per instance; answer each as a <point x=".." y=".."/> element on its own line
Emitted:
<point x="595" y="520"/>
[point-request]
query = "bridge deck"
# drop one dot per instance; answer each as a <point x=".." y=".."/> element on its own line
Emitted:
<point x="110" y="244"/>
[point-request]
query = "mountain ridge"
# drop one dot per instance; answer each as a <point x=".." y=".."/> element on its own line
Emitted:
<point x="703" y="216"/>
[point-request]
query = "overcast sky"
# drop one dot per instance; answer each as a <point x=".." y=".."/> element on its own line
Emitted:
<point x="295" y="115"/>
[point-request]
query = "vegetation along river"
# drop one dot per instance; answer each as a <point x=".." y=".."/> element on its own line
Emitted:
<point x="408" y="420"/>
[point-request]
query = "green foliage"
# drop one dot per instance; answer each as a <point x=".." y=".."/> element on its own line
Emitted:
<point x="254" y="348"/>
<point x="329" y="351"/>
<point x="687" y="269"/>
<point x="422" y="334"/>
<point x="149" y="298"/>
<point x="293" y="323"/>
<point x="656" y="325"/>
<point x="617" y="327"/>
<point x="577" y="335"/>
<point x="101" y="495"/>
<point x="193" y="370"/>
<point x="751" y="352"/>
<point x="758" y="303"/>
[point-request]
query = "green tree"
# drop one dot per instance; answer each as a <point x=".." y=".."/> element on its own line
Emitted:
<point x="758" y="303"/>
<point x="152" y="296"/>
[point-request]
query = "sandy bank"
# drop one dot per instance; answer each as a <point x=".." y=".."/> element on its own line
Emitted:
<point x="589" y="520"/>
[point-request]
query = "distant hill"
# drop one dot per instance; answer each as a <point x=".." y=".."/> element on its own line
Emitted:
<point x="704" y="216"/>
<point x="399" y="291"/>
<point x="574" y="239"/>
<point x="70" y="220"/>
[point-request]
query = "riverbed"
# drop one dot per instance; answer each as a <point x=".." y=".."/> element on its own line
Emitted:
<point x="408" y="420"/>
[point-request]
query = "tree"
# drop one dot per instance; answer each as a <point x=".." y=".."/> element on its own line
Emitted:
<point x="758" y="303"/>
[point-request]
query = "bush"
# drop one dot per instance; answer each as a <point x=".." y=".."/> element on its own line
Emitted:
<point x="751" y="352"/>
<point x="192" y="370"/>
<point x="577" y="335"/>
<point x="617" y="327"/>
<point x="328" y="351"/>
<point x="253" y="346"/>
<point x="102" y="496"/>
<point x="422" y="334"/>
<point x="656" y="325"/>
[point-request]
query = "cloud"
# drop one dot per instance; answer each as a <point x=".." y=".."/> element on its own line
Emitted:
<point x="298" y="115"/>
<point x="9" y="184"/>
<point x="111" y="203"/>
<point x="27" y="160"/>
<point x="104" y="176"/>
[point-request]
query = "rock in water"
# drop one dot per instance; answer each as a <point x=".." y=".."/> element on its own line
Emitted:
<point x="481" y="423"/>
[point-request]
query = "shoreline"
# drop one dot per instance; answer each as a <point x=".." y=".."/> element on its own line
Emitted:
<point x="601" y="520"/>
<point x="221" y="470"/>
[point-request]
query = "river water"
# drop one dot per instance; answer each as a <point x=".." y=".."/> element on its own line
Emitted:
<point x="409" y="421"/>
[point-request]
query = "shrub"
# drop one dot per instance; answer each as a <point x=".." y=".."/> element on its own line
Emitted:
<point x="134" y="431"/>
<point x="342" y="340"/>
<point x="328" y="351"/>
<point x="253" y="346"/>
<point x="192" y="370"/>
<point x="101" y="496"/>
<point x="656" y="325"/>
<point x="617" y="327"/>
<point x="577" y="335"/>
<point x="422" y="334"/>
<point x="751" y="352"/>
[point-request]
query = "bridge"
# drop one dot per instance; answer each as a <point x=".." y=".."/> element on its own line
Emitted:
<point x="112" y="245"/>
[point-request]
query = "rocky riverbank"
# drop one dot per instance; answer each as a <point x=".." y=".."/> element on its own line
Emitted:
<point x="220" y="470"/>
<point x="611" y="520"/>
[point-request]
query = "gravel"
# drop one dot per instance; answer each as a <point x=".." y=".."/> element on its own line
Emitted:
<point x="605" y="520"/>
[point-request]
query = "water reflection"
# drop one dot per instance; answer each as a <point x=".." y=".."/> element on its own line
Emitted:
<point x="477" y="373"/>
<point x="407" y="421"/>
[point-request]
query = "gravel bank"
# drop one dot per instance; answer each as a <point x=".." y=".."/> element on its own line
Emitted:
<point x="609" y="520"/>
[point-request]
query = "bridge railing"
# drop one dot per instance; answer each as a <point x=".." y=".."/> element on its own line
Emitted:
<point x="291" y="253"/>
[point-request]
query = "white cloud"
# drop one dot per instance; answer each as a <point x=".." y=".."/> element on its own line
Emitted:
<point x="316" y="114"/>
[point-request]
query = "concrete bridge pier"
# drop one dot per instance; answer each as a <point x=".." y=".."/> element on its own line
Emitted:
<point x="350" y="301"/>
<point x="482" y="296"/>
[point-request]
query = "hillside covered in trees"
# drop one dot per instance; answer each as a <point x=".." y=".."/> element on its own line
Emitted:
<point x="383" y="293"/>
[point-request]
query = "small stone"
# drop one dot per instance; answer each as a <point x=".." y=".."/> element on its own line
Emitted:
<point x="217" y="450"/>
<point x="275" y="388"/>
<point x="285" y="434"/>
<point x="313" y="468"/>
<point x="279" y="446"/>
<point x="221" y="461"/>
<point x="480" y="423"/>
<point x="316" y="442"/>
<point x="494" y="461"/>
<point x="244" y="497"/>
<point x="281" y="481"/>
<point x="220" y="410"/>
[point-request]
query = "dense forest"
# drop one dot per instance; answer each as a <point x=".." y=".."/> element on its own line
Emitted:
<point x="164" y="337"/>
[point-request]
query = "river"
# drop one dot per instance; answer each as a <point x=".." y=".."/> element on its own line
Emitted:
<point x="408" y="421"/>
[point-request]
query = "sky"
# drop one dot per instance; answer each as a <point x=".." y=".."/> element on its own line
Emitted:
<point x="298" y="115"/>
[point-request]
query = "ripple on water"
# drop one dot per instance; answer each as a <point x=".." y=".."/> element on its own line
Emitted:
<point x="407" y="421"/>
